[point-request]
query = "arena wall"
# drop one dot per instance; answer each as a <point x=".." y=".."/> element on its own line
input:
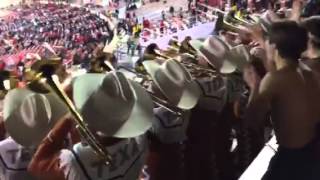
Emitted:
<point x="100" y="2"/>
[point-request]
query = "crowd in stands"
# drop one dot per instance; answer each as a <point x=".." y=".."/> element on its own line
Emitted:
<point x="62" y="29"/>
<point x="170" y="22"/>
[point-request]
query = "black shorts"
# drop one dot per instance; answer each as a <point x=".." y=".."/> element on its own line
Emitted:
<point x="294" y="164"/>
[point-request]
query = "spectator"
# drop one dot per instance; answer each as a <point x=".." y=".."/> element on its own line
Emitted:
<point x="295" y="87"/>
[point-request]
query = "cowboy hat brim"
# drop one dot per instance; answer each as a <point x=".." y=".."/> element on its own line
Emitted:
<point x="190" y="96"/>
<point x="236" y="59"/>
<point x="227" y="68"/>
<point x="29" y="116"/>
<point x="217" y="52"/>
<point x="139" y="119"/>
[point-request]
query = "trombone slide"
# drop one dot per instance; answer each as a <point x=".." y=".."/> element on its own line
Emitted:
<point x="52" y="83"/>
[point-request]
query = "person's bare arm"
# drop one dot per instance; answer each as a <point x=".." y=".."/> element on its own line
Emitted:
<point x="259" y="102"/>
<point x="45" y="163"/>
<point x="296" y="10"/>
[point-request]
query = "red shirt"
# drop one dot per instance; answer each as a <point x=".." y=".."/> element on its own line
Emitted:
<point x="146" y="24"/>
<point x="161" y="24"/>
<point x="2" y="66"/>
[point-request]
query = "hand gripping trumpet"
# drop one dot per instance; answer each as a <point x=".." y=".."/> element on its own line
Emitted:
<point x="49" y="81"/>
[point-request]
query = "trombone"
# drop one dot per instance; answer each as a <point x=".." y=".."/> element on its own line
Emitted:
<point x="193" y="69"/>
<point x="157" y="100"/>
<point x="51" y="83"/>
<point x="235" y="20"/>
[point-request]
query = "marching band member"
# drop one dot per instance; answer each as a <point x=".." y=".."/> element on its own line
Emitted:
<point x="186" y="47"/>
<point x="3" y="92"/>
<point x="149" y="54"/>
<point x="172" y="82"/>
<point x="26" y="115"/>
<point x="211" y="137"/>
<point x="174" y="43"/>
<point x="119" y="112"/>
<point x="168" y="136"/>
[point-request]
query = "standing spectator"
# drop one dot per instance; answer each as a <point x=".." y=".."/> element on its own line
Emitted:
<point x="146" y="23"/>
<point x="189" y="4"/>
<point x="291" y="94"/>
<point x="181" y="13"/>
<point x="162" y="26"/>
<point x="171" y="11"/>
<point x="163" y="15"/>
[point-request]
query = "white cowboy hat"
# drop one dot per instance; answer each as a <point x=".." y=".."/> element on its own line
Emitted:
<point x="175" y="82"/>
<point x="29" y="116"/>
<point x="113" y="105"/>
<point x="236" y="59"/>
<point x="213" y="49"/>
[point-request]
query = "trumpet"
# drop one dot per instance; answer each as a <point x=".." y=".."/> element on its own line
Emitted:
<point x="51" y="83"/>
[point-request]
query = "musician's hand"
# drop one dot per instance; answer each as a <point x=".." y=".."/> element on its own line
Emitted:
<point x="257" y="34"/>
<point x="296" y="10"/>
